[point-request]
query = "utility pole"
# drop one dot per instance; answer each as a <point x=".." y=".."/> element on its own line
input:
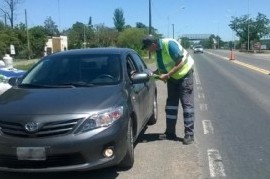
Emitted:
<point x="150" y="24"/>
<point x="5" y="20"/>
<point x="248" y="26"/>
<point x="27" y="34"/>
<point x="150" y="18"/>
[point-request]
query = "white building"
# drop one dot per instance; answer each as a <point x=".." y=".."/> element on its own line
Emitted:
<point x="56" y="44"/>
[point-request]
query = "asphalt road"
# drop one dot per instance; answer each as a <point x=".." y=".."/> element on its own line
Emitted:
<point x="233" y="103"/>
<point x="232" y="128"/>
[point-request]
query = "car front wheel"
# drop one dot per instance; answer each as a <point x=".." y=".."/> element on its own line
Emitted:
<point x="128" y="160"/>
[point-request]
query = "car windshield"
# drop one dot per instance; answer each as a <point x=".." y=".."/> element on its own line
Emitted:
<point x="74" y="71"/>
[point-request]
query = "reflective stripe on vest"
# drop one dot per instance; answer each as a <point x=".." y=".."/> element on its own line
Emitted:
<point x="169" y="63"/>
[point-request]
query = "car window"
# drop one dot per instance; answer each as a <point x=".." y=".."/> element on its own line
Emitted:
<point x="138" y="62"/>
<point x="131" y="69"/>
<point x="95" y="69"/>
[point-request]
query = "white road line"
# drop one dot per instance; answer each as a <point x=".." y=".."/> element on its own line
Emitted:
<point x="215" y="164"/>
<point x="201" y="95"/>
<point x="197" y="78"/>
<point x="207" y="127"/>
<point x="203" y="107"/>
<point x="261" y="70"/>
<point x="199" y="88"/>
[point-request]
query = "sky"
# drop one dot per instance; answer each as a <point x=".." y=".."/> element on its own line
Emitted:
<point x="187" y="16"/>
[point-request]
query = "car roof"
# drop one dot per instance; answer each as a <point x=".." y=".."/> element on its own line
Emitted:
<point x="100" y="50"/>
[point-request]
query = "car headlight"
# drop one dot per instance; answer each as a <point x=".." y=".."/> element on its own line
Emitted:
<point x="101" y="119"/>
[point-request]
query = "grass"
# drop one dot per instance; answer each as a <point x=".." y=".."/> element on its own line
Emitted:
<point x="24" y="67"/>
<point x="24" y="64"/>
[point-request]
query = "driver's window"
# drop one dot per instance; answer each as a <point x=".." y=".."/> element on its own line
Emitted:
<point x="130" y="67"/>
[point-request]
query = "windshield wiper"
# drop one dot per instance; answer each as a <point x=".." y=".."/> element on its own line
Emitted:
<point x="60" y="85"/>
<point x="77" y="84"/>
<point x="30" y="85"/>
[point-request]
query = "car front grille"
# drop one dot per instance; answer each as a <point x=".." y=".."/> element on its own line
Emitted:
<point x="51" y="161"/>
<point x="46" y="130"/>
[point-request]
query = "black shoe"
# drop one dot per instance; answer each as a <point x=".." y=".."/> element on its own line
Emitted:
<point x="188" y="139"/>
<point x="168" y="136"/>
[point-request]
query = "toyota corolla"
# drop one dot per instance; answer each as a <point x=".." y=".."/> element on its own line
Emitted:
<point x="76" y="110"/>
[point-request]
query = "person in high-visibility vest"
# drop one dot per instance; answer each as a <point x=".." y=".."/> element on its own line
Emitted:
<point x="175" y="67"/>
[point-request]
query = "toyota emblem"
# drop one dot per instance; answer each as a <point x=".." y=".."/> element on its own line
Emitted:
<point x="31" y="127"/>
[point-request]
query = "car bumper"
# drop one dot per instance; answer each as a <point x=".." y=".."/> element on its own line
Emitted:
<point x="67" y="153"/>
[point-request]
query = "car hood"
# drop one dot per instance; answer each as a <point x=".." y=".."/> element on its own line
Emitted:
<point x="60" y="100"/>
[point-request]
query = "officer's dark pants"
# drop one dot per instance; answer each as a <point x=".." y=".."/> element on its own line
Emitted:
<point x="180" y="90"/>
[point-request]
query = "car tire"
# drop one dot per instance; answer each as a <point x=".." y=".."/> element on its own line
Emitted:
<point x="153" y="118"/>
<point x="128" y="160"/>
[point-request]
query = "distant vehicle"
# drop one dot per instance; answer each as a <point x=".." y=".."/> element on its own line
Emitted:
<point x="5" y="74"/>
<point x="198" y="49"/>
<point x="77" y="110"/>
<point x="11" y="72"/>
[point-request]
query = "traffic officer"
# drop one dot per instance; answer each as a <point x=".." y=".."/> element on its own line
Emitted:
<point x="175" y="67"/>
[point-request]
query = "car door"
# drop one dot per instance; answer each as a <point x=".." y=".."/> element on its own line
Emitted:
<point x="136" y="91"/>
<point x="145" y="103"/>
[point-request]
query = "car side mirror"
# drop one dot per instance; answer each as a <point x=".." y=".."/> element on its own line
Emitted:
<point x="14" y="81"/>
<point x="139" y="78"/>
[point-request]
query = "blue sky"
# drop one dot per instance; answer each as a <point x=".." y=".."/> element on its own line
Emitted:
<point x="188" y="17"/>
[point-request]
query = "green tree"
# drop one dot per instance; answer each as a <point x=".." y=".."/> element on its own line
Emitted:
<point x="90" y="22"/>
<point x="4" y="39"/>
<point x="50" y="27"/>
<point x="212" y="42"/>
<point x="2" y="43"/>
<point x="262" y="25"/>
<point x="7" y="37"/>
<point x="119" y="20"/>
<point x="127" y="26"/>
<point x="16" y="36"/>
<point x="185" y="42"/>
<point x="248" y="28"/>
<point x="38" y="39"/>
<point x="2" y="25"/>
<point x="22" y="47"/>
<point x="78" y="34"/>
<point x="131" y="38"/>
<point x="106" y="36"/>
<point x="141" y="25"/>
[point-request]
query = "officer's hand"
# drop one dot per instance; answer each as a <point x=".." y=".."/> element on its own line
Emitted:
<point x="164" y="77"/>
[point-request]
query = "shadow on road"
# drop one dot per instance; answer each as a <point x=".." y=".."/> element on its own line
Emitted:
<point x="152" y="137"/>
<point x="144" y="138"/>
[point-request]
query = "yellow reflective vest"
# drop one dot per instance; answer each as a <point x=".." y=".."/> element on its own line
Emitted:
<point x="169" y="63"/>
